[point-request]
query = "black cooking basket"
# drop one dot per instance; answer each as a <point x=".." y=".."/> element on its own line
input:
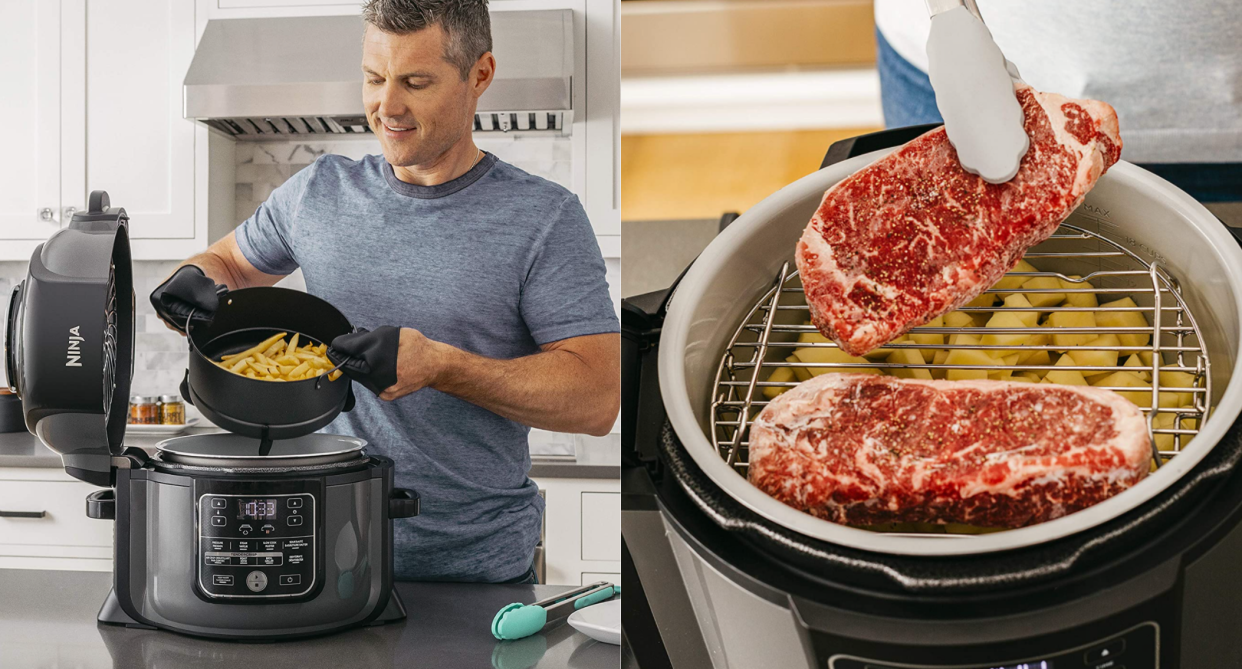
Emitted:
<point x="255" y="407"/>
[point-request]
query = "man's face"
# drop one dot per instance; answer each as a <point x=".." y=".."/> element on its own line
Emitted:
<point x="416" y="102"/>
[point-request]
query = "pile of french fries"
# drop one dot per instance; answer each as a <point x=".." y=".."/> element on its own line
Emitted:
<point x="274" y="359"/>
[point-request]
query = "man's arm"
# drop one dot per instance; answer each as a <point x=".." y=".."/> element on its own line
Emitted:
<point x="573" y="385"/>
<point x="224" y="263"/>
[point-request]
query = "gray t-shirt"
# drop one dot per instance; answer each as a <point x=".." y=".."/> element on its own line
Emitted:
<point x="496" y="262"/>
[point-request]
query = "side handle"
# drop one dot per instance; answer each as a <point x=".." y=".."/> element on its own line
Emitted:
<point x="403" y="503"/>
<point x="856" y="146"/>
<point x="101" y="504"/>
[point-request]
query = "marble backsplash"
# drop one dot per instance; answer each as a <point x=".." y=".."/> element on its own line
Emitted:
<point x="160" y="353"/>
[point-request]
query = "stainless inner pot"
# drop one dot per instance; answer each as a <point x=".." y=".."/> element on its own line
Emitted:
<point x="1149" y="218"/>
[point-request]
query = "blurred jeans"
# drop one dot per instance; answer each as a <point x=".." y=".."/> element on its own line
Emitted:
<point x="907" y="98"/>
<point x="529" y="578"/>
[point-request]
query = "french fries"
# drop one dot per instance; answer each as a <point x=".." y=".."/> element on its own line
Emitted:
<point x="274" y="359"/>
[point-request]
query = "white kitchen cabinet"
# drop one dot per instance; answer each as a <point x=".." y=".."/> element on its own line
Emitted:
<point x="582" y="529"/>
<point x="30" y="76"/>
<point x="63" y="537"/>
<point x="138" y="146"/>
<point x="93" y="102"/>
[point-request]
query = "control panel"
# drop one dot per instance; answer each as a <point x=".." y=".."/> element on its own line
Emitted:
<point x="1136" y="648"/>
<point x="256" y="544"/>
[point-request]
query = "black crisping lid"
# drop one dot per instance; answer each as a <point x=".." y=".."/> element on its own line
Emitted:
<point x="73" y="340"/>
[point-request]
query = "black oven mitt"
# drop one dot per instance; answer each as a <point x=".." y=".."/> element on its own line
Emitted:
<point x="370" y="357"/>
<point x="188" y="289"/>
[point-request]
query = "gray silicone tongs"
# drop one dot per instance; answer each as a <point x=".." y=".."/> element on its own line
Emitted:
<point x="974" y="91"/>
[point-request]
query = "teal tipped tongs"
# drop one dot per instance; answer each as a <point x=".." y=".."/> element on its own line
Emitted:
<point x="516" y="621"/>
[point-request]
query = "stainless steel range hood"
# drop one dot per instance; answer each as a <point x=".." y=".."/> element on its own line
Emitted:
<point x="285" y="78"/>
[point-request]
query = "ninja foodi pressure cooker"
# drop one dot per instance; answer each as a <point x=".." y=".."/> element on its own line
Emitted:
<point x="730" y="577"/>
<point x="217" y="535"/>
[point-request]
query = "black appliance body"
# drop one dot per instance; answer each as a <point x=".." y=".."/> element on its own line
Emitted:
<point x="211" y="538"/>
<point x="714" y="584"/>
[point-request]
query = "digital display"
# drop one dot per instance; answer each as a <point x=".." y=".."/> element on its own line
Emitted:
<point x="262" y="509"/>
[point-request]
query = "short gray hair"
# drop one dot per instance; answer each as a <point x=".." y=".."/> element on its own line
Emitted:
<point x="466" y="22"/>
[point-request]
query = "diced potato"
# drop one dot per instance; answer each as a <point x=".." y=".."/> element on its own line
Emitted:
<point x="1176" y="380"/>
<point x="779" y="375"/>
<point x="800" y="373"/>
<point x="1089" y="358"/>
<point x="968" y="357"/>
<point x="1168" y="421"/>
<point x="1136" y="361"/>
<point x="963" y="340"/>
<point x="1011" y="282"/>
<point x="940" y="357"/>
<point x="882" y="352"/>
<point x="909" y="356"/>
<point x="1018" y="300"/>
<point x="1071" y="319"/>
<point x="831" y="355"/>
<point x="979" y="318"/>
<point x="1027" y="355"/>
<point x="958" y="319"/>
<point x="1140" y="398"/>
<point x="1022" y="378"/>
<point x="1003" y="374"/>
<point x="984" y="300"/>
<point x="1033" y="377"/>
<point x="1124" y="319"/>
<point x="929" y="339"/>
<point x="813" y="338"/>
<point x="1042" y="283"/>
<point x="1065" y="377"/>
<point x="1145" y="357"/>
<point x="1079" y="299"/>
<point x="1004" y="319"/>
<point x="1033" y="358"/>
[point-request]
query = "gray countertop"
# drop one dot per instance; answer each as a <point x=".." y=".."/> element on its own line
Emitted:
<point x="47" y="618"/>
<point x="22" y="449"/>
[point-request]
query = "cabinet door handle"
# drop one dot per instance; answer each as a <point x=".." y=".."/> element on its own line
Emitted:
<point x="23" y="514"/>
<point x="47" y="215"/>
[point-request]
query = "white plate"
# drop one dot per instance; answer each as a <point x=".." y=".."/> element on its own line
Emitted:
<point x="601" y="622"/>
<point x="135" y="428"/>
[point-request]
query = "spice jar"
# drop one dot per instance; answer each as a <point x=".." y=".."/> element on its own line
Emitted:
<point x="143" y="410"/>
<point x="172" y="410"/>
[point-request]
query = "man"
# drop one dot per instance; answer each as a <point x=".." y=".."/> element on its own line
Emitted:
<point x="482" y="287"/>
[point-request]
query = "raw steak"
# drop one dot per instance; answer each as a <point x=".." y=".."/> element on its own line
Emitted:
<point x="913" y="235"/>
<point x="862" y="449"/>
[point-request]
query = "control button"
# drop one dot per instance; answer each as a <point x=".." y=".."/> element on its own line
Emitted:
<point x="295" y="559"/>
<point x="295" y="544"/>
<point x="219" y="503"/>
<point x="267" y="529"/>
<point x="218" y="521"/>
<point x="1106" y="652"/>
<point x="221" y="579"/>
<point x="242" y="545"/>
<point x="269" y="545"/>
<point x="290" y="579"/>
<point x="218" y="545"/>
<point x="294" y="521"/>
<point x="256" y="581"/>
<point x="294" y="502"/>
<point x="217" y="560"/>
<point x="245" y="529"/>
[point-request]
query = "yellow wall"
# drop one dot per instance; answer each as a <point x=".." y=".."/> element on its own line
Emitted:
<point x="705" y="175"/>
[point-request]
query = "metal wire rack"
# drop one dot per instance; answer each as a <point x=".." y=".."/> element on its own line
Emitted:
<point x="770" y="332"/>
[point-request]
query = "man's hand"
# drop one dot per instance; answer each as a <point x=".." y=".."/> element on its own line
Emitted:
<point x="188" y="291"/>
<point x="390" y="362"/>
